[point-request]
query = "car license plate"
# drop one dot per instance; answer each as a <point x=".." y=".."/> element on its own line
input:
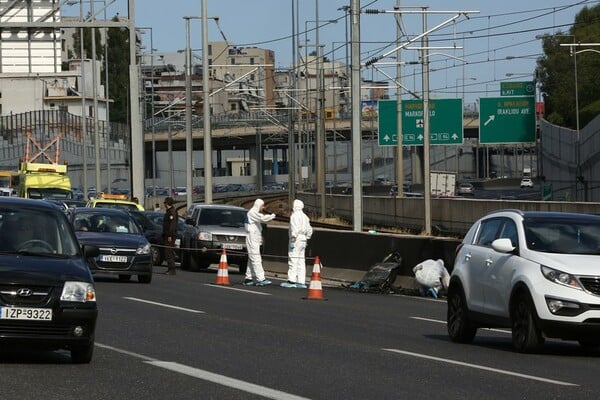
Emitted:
<point x="112" y="258"/>
<point x="23" y="313"/>
<point x="177" y="242"/>
<point x="232" y="246"/>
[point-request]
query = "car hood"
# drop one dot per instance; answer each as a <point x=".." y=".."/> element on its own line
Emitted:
<point x="105" y="239"/>
<point x="576" y="264"/>
<point x="46" y="271"/>
<point x="223" y="230"/>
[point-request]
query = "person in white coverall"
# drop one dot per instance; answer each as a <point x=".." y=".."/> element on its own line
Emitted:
<point x="300" y="231"/>
<point x="255" y="274"/>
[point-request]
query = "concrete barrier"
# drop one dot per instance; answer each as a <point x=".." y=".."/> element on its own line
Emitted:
<point x="347" y="255"/>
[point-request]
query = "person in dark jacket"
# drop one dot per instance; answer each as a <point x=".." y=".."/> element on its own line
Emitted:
<point x="169" y="232"/>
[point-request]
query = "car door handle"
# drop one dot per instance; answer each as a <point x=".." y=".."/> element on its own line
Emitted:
<point x="488" y="261"/>
<point x="467" y="256"/>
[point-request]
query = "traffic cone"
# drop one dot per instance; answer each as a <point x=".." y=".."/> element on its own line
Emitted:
<point x="223" y="271"/>
<point x="315" y="290"/>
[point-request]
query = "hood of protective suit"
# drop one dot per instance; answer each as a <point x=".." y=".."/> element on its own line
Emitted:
<point x="258" y="203"/>
<point x="298" y="205"/>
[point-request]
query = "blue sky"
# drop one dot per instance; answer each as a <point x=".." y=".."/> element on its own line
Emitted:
<point x="499" y="40"/>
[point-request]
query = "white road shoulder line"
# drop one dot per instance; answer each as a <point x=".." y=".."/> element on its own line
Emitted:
<point x="481" y="367"/>
<point x="237" y="289"/>
<point x="208" y="376"/>
<point x="164" y="305"/>
<point x="226" y="381"/>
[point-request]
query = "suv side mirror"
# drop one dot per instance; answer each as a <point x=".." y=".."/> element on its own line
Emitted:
<point x="503" y="245"/>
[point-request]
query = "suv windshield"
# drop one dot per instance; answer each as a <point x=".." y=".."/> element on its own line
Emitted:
<point x="222" y="217"/>
<point x="32" y="231"/>
<point x="560" y="235"/>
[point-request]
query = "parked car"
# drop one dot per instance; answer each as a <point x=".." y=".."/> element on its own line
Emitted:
<point x="215" y="227"/>
<point x="465" y="188"/>
<point x="534" y="272"/>
<point x="48" y="299"/>
<point x="151" y="224"/>
<point x="124" y="250"/>
<point x="526" y="183"/>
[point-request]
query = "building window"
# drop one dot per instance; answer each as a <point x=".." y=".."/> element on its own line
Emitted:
<point x="91" y="111"/>
<point x="232" y="61"/>
<point x="233" y="106"/>
<point x="210" y="49"/>
<point x="252" y="60"/>
<point x="252" y="77"/>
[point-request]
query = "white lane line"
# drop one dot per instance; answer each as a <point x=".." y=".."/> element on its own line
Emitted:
<point x="239" y="290"/>
<point x="226" y="381"/>
<point x="208" y="376"/>
<point x="444" y="322"/>
<point x="496" y="370"/>
<point x="164" y="305"/>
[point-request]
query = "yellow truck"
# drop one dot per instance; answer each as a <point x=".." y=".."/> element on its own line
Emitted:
<point x="7" y="184"/>
<point x="44" y="181"/>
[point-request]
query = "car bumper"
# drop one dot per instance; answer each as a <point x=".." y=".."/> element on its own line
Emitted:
<point x="55" y="334"/>
<point x="142" y="265"/>
<point x="212" y="251"/>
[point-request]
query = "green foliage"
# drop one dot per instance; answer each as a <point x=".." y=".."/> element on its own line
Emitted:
<point x="556" y="71"/>
<point x="118" y="73"/>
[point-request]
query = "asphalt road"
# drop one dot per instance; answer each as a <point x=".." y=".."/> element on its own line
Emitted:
<point x="182" y="337"/>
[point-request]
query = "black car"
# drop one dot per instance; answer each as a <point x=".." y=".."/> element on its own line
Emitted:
<point x="124" y="250"/>
<point x="47" y="294"/>
<point x="151" y="223"/>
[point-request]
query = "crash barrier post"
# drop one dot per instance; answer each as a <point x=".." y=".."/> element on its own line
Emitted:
<point x="315" y="289"/>
<point x="223" y="271"/>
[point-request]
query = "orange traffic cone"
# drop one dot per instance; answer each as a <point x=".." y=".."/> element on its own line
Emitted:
<point x="315" y="290"/>
<point x="223" y="271"/>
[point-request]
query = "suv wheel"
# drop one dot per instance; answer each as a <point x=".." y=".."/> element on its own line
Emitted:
<point x="526" y="336"/>
<point x="459" y="327"/>
<point x="243" y="267"/>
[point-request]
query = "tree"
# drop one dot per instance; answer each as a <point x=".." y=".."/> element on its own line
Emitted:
<point x="118" y="72"/>
<point x="556" y="72"/>
<point x="87" y="43"/>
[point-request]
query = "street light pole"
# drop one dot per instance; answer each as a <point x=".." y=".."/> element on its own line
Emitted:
<point x="208" y="195"/>
<point x="188" y="111"/>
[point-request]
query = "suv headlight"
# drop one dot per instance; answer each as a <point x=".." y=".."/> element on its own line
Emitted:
<point x="145" y="249"/>
<point x="78" y="291"/>
<point x="205" y="236"/>
<point x="562" y="278"/>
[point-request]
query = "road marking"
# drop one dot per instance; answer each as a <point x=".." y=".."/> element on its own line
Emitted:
<point x="225" y="381"/>
<point x="499" y="371"/>
<point x="239" y="290"/>
<point x="444" y="322"/>
<point x="164" y="305"/>
<point x="209" y="376"/>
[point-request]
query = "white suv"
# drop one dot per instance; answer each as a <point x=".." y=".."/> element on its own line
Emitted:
<point x="535" y="272"/>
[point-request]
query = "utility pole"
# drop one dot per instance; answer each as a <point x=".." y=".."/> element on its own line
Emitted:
<point x="356" y="116"/>
<point x="399" y="148"/>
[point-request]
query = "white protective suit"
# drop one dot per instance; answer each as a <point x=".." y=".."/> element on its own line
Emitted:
<point x="255" y="218"/>
<point x="300" y="231"/>
<point x="432" y="274"/>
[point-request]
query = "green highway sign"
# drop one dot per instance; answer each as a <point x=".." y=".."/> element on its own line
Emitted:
<point x="517" y="89"/>
<point x="445" y="122"/>
<point x="388" y="123"/>
<point x="507" y="119"/>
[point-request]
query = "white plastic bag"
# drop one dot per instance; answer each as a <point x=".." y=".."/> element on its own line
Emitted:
<point x="432" y="274"/>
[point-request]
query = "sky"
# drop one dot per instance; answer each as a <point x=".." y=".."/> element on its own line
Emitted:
<point x="495" y="42"/>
